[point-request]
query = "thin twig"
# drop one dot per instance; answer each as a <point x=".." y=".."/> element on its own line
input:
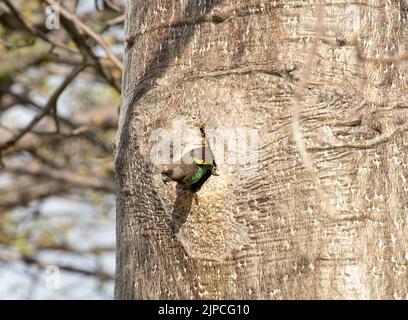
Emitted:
<point x="11" y="256"/>
<point x="89" y="56"/>
<point x="54" y="113"/>
<point x="33" y="30"/>
<point x="10" y="45"/>
<point x="74" y="19"/>
<point x="65" y="176"/>
<point x="20" y="194"/>
<point x="113" y="6"/>
<point x="48" y="108"/>
<point x="76" y="129"/>
<point x="116" y="21"/>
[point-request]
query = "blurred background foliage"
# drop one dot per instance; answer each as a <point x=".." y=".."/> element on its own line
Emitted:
<point x="59" y="101"/>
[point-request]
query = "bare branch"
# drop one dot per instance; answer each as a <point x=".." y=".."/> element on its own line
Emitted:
<point x="116" y="21"/>
<point x="21" y="195"/>
<point x="87" y="52"/>
<point x="73" y="18"/>
<point x="65" y="176"/>
<point x="11" y="256"/>
<point x="33" y="30"/>
<point x="113" y="6"/>
<point x="48" y="107"/>
<point x="106" y="119"/>
<point x="69" y="249"/>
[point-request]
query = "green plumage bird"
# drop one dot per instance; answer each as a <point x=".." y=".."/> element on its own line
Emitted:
<point x="190" y="175"/>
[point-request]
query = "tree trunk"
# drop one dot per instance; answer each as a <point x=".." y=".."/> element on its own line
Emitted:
<point x="264" y="233"/>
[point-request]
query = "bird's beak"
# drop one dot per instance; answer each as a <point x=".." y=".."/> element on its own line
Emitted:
<point x="199" y="161"/>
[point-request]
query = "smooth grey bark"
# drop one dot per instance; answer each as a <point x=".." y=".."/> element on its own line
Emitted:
<point x="265" y="235"/>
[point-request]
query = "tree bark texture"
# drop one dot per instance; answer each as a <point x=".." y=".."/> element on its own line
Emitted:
<point x="266" y="235"/>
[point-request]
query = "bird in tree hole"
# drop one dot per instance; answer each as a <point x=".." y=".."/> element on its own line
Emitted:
<point x="193" y="174"/>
